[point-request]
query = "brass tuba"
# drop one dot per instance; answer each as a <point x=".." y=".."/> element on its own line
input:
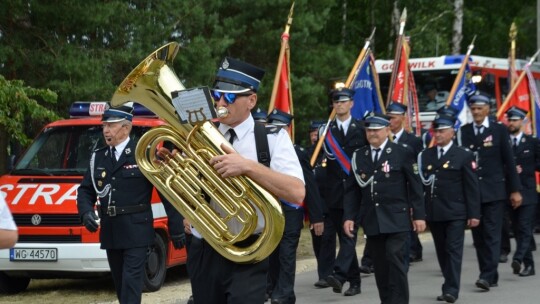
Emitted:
<point x="186" y="179"/>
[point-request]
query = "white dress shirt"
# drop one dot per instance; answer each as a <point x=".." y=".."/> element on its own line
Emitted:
<point x="282" y="154"/>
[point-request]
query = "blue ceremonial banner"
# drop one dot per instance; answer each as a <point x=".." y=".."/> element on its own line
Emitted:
<point x="535" y="102"/>
<point x="465" y="88"/>
<point x="366" y="97"/>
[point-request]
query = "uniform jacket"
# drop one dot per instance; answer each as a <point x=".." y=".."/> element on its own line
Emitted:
<point x="313" y="200"/>
<point x="128" y="187"/>
<point x="454" y="194"/>
<point x="335" y="175"/>
<point x="319" y="171"/>
<point x="496" y="171"/>
<point x="412" y="141"/>
<point x="396" y="189"/>
<point x="527" y="155"/>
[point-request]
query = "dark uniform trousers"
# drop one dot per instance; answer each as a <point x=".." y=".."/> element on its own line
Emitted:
<point x="451" y="197"/>
<point x="497" y="178"/>
<point x="527" y="156"/>
<point x="126" y="237"/>
<point x="229" y="279"/>
<point x="345" y="265"/>
<point x="282" y="269"/>
<point x="382" y="207"/>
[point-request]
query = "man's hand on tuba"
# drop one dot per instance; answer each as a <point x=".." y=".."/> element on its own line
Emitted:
<point x="230" y="164"/>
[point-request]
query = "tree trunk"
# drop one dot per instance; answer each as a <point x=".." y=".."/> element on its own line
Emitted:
<point x="457" y="30"/>
<point x="394" y="28"/>
<point x="344" y="26"/>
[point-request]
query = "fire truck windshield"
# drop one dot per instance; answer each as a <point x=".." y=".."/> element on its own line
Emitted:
<point x="64" y="150"/>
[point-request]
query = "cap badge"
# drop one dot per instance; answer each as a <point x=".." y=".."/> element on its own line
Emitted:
<point x="225" y="64"/>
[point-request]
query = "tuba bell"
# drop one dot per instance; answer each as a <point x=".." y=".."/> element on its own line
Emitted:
<point x="186" y="179"/>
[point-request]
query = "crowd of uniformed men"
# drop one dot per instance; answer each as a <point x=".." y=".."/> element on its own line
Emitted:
<point x="374" y="174"/>
<point x="371" y="174"/>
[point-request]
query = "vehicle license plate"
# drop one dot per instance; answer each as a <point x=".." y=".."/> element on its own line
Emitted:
<point x="33" y="254"/>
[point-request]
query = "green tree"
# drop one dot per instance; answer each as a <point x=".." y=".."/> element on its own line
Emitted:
<point x="21" y="114"/>
<point x="83" y="49"/>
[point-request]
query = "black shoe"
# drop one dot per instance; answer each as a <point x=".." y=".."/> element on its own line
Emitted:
<point x="415" y="258"/>
<point x="365" y="269"/>
<point x="528" y="271"/>
<point x="493" y="285"/>
<point x="321" y="284"/>
<point x="449" y="298"/>
<point x="516" y="266"/>
<point x="190" y="300"/>
<point x="277" y="301"/>
<point x="482" y="284"/>
<point x="336" y="284"/>
<point x="353" y="290"/>
<point x="440" y="298"/>
<point x="503" y="258"/>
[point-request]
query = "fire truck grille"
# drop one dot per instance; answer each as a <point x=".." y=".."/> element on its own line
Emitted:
<point x="41" y="220"/>
<point x="49" y="239"/>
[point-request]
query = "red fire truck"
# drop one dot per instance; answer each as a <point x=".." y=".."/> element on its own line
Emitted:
<point x="489" y="73"/>
<point x="41" y="192"/>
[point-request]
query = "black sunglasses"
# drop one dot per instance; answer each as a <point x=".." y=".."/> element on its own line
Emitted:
<point x="230" y="98"/>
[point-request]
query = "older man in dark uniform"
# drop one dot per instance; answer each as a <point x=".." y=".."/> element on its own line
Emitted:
<point x="527" y="156"/>
<point x="382" y="190"/>
<point x="124" y="194"/>
<point x="498" y="180"/>
<point x="345" y="135"/>
<point x="452" y="200"/>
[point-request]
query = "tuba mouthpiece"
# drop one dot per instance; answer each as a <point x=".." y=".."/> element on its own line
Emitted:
<point x="222" y="112"/>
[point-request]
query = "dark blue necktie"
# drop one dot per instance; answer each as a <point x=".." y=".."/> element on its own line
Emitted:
<point x="113" y="156"/>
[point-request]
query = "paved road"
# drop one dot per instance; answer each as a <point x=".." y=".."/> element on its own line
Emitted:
<point x="425" y="282"/>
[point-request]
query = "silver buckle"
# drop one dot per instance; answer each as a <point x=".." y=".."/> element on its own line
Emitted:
<point x="111" y="210"/>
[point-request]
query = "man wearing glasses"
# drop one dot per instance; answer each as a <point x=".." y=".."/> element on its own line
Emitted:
<point x="215" y="279"/>
<point x="345" y="135"/>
